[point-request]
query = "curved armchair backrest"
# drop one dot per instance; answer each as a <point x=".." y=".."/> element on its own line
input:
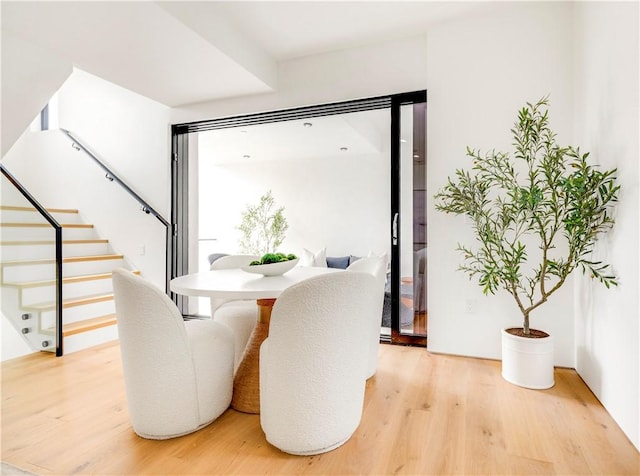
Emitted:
<point x="229" y="262"/>
<point x="155" y="350"/>
<point x="375" y="266"/>
<point x="147" y="315"/>
<point x="215" y="256"/>
<point x="233" y="261"/>
<point x="419" y="280"/>
<point x="420" y="260"/>
<point x="313" y="364"/>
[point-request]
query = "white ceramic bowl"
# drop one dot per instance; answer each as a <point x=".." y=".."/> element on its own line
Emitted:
<point x="272" y="269"/>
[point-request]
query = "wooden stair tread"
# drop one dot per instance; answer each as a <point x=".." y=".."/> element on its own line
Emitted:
<point x="52" y="242"/>
<point x="66" y="280"/>
<point x="44" y="225"/>
<point x="86" y="325"/>
<point x="72" y="328"/>
<point x="32" y="209"/>
<point x="70" y="259"/>
<point x="71" y="302"/>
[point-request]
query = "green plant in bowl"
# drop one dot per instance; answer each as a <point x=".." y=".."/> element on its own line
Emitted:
<point x="270" y="258"/>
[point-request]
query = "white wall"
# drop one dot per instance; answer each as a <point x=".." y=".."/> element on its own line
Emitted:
<point x="607" y="125"/>
<point x="481" y="70"/>
<point x="340" y="204"/>
<point x="13" y="344"/>
<point x="370" y="71"/>
<point x="30" y="76"/>
<point x="130" y="134"/>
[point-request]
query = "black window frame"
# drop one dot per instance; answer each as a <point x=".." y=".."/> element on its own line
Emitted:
<point x="178" y="249"/>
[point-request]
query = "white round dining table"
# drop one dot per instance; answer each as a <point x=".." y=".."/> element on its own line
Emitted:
<point x="238" y="284"/>
<point x="235" y="284"/>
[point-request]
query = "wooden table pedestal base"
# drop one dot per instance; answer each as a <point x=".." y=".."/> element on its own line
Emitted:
<point x="246" y="383"/>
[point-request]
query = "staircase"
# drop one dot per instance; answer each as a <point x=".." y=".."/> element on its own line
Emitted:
<point x="27" y="279"/>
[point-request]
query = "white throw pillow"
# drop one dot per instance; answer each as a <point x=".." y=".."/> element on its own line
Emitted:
<point x="309" y="258"/>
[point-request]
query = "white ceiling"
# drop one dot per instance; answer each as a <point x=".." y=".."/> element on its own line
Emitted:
<point x="291" y="29"/>
<point x="185" y="52"/>
<point x="358" y="134"/>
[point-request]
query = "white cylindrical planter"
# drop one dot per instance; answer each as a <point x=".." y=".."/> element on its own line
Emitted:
<point x="527" y="362"/>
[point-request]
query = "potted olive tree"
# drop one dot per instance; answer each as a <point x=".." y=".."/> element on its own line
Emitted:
<point x="536" y="219"/>
<point x="263" y="226"/>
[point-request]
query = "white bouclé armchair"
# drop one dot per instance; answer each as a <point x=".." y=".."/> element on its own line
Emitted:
<point x="239" y="315"/>
<point x="313" y="364"/>
<point x="178" y="375"/>
<point x="377" y="267"/>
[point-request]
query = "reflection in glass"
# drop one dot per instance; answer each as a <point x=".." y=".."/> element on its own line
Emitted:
<point x="413" y="235"/>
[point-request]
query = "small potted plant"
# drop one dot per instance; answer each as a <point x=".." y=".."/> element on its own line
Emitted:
<point x="536" y="219"/>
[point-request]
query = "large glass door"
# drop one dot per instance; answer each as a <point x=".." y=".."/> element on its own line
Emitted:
<point x="374" y="172"/>
<point x="409" y="224"/>
<point x="329" y="175"/>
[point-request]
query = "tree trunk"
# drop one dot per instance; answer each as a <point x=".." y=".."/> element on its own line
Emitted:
<point x="526" y="323"/>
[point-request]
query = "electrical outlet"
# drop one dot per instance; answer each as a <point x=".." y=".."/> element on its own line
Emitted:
<point x="142" y="250"/>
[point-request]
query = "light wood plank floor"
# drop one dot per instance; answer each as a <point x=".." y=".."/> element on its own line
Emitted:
<point x="424" y="414"/>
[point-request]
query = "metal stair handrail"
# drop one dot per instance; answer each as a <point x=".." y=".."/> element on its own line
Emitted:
<point x="111" y="176"/>
<point x="58" y="232"/>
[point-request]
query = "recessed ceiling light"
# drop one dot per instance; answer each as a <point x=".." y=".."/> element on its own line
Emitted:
<point x="307" y="124"/>
<point x="416" y="156"/>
